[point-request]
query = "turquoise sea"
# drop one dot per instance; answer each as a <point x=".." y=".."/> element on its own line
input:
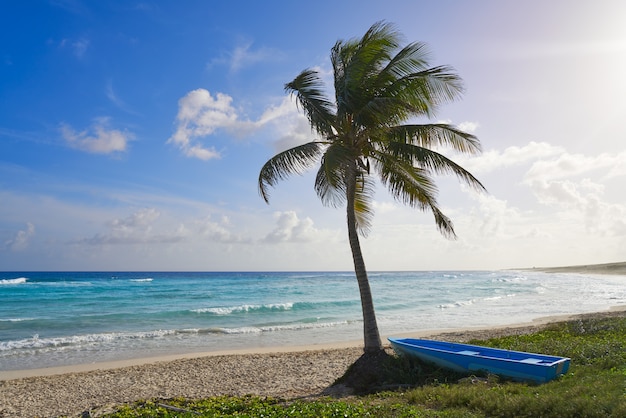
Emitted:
<point x="64" y="318"/>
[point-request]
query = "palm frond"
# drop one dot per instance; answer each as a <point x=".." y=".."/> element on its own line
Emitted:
<point x="412" y="186"/>
<point x="339" y="59"/>
<point x="444" y="224"/>
<point x="292" y="161"/>
<point x="382" y="112"/>
<point x="330" y="182"/>
<point x="373" y="51"/>
<point x="424" y="91"/>
<point x="329" y="195"/>
<point x="434" y="162"/>
<point x="309" y="91"/>
<point x="411" y="59"/>
<point x="436" y="135"/>
<point x="357" y="62"/>
<point x="406" y="87"/>
<point x="362" y="203"/>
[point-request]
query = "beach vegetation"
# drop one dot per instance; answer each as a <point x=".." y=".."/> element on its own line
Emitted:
<point x="595" y="386"/>
<point x="373" y="129"/>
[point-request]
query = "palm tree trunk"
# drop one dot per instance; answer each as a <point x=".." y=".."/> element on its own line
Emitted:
<point x="371" y="335"/>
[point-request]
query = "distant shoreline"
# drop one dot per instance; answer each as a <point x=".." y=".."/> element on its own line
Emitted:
<point x="607" y="268"/>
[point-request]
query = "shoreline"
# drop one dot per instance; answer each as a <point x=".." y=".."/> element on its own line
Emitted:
<point x="283" y="372"/>
<point x="458" y="334"/>
<point x="618" y="269"/>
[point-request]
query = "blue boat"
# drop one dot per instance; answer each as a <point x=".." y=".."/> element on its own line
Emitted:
<point x="465" y="358"/>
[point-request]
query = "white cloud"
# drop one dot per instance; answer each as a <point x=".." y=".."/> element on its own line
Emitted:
<point x="147" y="226"/>
<point x="21" y="239"/>
<point x="512" y="156"/>
<point x="291" y="127"/>
<point x="574" y="209"/>
<point x="116" y="100"/>
<point x="494" y="216"/>
<point x="289" y="228"/>
<point x="469" y="127"/>
<point x="218" y="231"/>
<point x="569" y="165"/>
<point x="100" y="140"/>
<point x="201" y="114"/>
<point x="136" y="228"/>
<point x="141" y="219"/>
<point x="584" y="202"/>
<point x="383" y="207"/>
<point x="245" y="55"/>
<point x="561" y="193"/>
<point x="285" y="109"/>
<point x="556" y="183"/>
<point x="546" y="162"/>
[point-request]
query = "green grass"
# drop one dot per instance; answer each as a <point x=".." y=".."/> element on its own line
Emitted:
<point x="594" y="387"/>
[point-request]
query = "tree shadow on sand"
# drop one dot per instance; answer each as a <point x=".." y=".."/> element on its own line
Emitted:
<point x="372" y="373"/>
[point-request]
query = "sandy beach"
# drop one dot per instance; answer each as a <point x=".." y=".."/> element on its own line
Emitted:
<point x="298" y="372"/>
<point x="606" y="268"/>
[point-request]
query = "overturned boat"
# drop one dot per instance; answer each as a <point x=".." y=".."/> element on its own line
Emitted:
<point x="517" y="365"/>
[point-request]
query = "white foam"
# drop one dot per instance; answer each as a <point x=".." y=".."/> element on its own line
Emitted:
<point x="16" y="319"/>
<point x="277" y="328"/>
<point x="19" y="280"/>
<point x="457" y="304"/>
<point x="226" y="310"/>
<point x="35" y="342"/>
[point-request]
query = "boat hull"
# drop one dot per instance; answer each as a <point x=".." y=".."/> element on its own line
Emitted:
<point x="517" y="365"/>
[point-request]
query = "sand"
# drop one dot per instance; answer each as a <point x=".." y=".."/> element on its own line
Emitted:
<point x="607" y="268"/>
<point x="275" y="372"/>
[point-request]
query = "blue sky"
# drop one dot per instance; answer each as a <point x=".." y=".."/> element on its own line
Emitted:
<point x="132" y="134"/>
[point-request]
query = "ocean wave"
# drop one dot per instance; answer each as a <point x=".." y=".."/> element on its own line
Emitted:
<point x="226" y="310"/>
<point x="37" y="344"/>
<point x="278" y="328"/>
<point x="16" y="319"/>
<point x="276" y="307"/>
<point x="299" y="276"/>
<point x="19" y="280"/>
<point x="516" y="279"/>
<point x="61" y="283"/>
<point x="147" y="279"/>
<point x="469" y="302"/>
<point x="499" y="297"/>
<point x="301" y="326"/>
<point x="457" y="304"/>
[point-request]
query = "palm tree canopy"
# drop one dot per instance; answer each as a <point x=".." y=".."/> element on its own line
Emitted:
<point x="379" y="88"/>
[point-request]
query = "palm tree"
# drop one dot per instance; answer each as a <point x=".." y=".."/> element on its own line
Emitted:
<point x="379" y="88"/>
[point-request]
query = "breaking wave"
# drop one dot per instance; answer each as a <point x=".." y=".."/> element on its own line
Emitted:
<point x="19" y="280"/>
<point x="227" y="310"/>
<point x="35" y="343"/>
